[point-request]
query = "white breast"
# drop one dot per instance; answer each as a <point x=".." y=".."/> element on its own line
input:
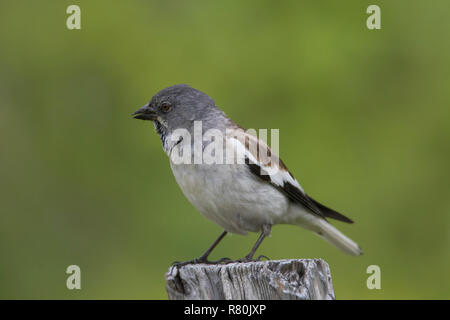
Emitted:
<point x="231" y="196"/>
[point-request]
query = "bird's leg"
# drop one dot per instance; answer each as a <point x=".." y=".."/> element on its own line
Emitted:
<point x="266" y="229"/>
<point x="204" y="257"/>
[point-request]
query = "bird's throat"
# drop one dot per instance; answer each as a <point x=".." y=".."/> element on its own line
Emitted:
<point x="163" y="133"/>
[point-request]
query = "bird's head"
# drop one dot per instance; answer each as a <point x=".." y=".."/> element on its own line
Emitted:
<point x="177" y="107"/>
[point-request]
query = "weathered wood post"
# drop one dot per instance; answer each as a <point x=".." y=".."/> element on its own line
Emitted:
<point x="303" y="279"/>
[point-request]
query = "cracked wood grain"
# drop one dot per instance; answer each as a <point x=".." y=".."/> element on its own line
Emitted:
<point x="302" y="279"/>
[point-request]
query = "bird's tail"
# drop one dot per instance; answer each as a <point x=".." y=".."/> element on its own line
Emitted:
<point x="337" y="238"/>
<point x="324" y="229"/>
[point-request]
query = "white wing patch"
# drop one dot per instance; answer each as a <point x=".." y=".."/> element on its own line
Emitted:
<point x="277" y="175"/>
<point x="272" y="171"/>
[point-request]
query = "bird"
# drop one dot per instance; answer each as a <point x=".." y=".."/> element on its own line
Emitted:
<point x="251" y="193"/>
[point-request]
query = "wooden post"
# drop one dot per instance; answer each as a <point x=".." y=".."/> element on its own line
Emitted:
<point x="303" y="279"/>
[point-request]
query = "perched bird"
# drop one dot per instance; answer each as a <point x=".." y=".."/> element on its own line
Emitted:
<point x="251" y="193"/>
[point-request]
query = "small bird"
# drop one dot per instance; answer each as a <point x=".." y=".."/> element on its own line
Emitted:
<point x="251" y="193"/>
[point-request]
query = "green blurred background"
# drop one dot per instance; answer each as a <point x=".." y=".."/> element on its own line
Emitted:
<point x="364" y="119"/>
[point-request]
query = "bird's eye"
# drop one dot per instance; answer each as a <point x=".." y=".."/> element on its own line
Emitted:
<point x="165" y="107"/>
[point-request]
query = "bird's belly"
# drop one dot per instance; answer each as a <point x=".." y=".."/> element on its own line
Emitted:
<point x="231" y="196"/>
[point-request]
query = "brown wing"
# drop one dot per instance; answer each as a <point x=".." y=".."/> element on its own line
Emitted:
<point x="284" y="180"/>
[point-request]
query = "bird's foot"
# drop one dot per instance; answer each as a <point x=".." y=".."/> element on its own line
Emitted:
<point x="247" y="259"/>
<point x="201" y="260"/>
<point x="261" y="257"/>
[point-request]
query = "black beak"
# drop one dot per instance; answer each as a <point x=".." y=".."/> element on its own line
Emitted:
<point x="145" y="113"/>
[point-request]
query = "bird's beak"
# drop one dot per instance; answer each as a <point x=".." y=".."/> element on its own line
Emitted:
<point x="145" y="113"/>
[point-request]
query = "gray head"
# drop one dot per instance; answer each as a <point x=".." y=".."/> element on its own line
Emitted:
<point x="179" y="106"/>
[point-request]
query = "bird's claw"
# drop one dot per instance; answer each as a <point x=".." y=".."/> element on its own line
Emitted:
<point x="222" y="261"/>
<point x="179" y="264"/>
<point x="247" y="259"/>
<point x="200" y="260"/>
<point x="204" y="260"/>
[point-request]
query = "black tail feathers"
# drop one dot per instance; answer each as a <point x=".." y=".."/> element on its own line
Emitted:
<point x="330" y="213"/>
